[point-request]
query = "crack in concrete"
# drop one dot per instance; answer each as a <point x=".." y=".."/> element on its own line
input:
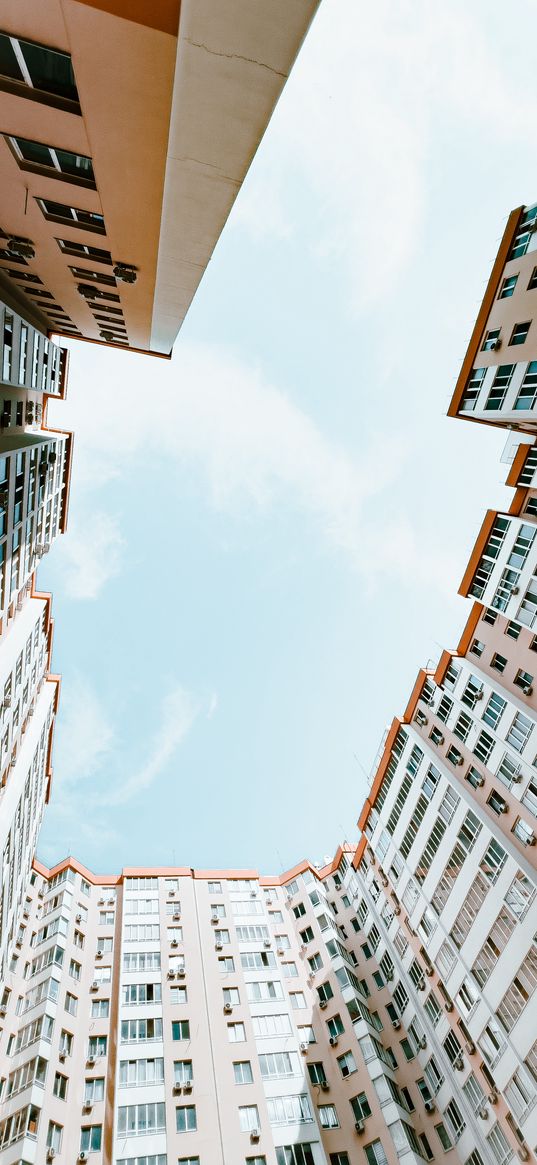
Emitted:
<point x="238" y="57"/>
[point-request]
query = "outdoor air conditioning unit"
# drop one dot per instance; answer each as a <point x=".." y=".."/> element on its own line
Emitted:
<point x="254" y="1134"/>
<point x="171" y="974"/>
<point x="389" y="976"/>
<point x="448" y="1006"/>
<point x="422" y="1043"/>
<point x="325" y="1085"/>
<point x="171" y="893"/>
<point x="458" y="1064"/>
<point x="479" y="693"/>
<point x="524" y="1153"/>
<point x="214" y="917"/>
<point x="218" y="946"/>
<point x="493" y="1097"/>
<point x="429" y="971"/>
<point x="470" y="1047"/>
<point x="87" y="1106"/>
<point x="82" y="1156"/>
<point x="51" y="1153"/>
<point x="94" y="985"/>
<point x="187" y="1086"/>
<point x="440" y="738"/>
<point x="479" y="780"/>
<point x="266" y="942"/>
<point x="483" y="1112"/>
<point x="253" y="893"/>
<point x="430" y="1106"/>
<point x="528" y="690"/>
<point x="78" y="918"/>
<point x="334" y="1040"/>
<point x="460" y="760"/>
<point x="280" y="951"/>
<point x="515" y="590"/>
<point x="98" y="954"/>
<point x="228" y="1008"/>
<point x="359" y="1126"/>
<point x="91" y="1061"/>
<point x="7" y="701"/>
<point x="181" y="972"/>
<point x="323" y="1003"/>
<point x="41" y="892"/>
<point x="177" y="1088"/>
<point x="396" y="1023"/>
<point x="3" y="1011"/>
<point x="23" y="248"/>
<point x="269" y="901"/>
<point x="62" y="1055"/>
<point x="495" y="345"/>
<point x="303" y="1048"/>
<point x="125" y="272"/>
<point x="174" y="942"/>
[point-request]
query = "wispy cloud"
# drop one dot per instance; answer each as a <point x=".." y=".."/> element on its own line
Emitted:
<point x="90" y="554"/>
<point x="178" y="714"/>
<point x="86" y="736"/>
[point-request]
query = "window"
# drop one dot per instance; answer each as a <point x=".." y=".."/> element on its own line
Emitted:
<point x="523" y="680"/>
<point x="335" y="1026"/>
<point x="70" y="216"/>
<point x="498" y="662"/>
<point x="491" y="340"/>
<point x="71" y="1003"/>
<point x="295" y="1155"/>
<point x="299" y="910"/>
<point x="60" y="1086"/>
<point x="182" y="1071"/>
<point x="297" y="999"/>
<point x="472" y="390"/>
<point x="236" y="1033"/>
<point x="500" y="384"/>
<point x="215" y="887"/>
<point x="374" y="1154"/>
<point x="512" y="629"/>
<point x="307" y="935"/>
<point x="185" y="1116"/>
<point x="136" y="1120"/>
<point x="91" y="1138"/>
<point x="520" y="333"/>
<point x="523" y="831"/>
<point x="339" y="1159"/>
<point x="50" y="160"/>
<point x="180" y="1029"/>
<point x="477" y="647"/>
<point x="508" y="287"/>
<point x="346" y="1064"/>
<point x="494" y="710"/>
<point x="360" y="1107"/>
<point x="519" y="732"/>
<point x="48" y="72"/>
<point x="94" y="1090"/>
<point x="328" y="1116"/>
<point x="242" y="1070"/>
<point x="248" y="1117"/>
<point x="317" y="1073"/>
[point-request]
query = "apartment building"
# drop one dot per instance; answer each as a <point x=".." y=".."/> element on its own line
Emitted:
<point x="498" y="379"/>
<point x="127" y="130"/>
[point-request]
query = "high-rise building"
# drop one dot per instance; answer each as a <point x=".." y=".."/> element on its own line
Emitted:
<point x="128" y="127"/>
<point x="382" y="1008"/>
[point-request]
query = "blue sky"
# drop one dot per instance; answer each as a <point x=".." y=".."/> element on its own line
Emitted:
<point x="266" y="534"/>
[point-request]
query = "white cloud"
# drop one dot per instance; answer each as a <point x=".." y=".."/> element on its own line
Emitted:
<point x="355" y="127"/>
<point x="89" y="554"/>
<point x="85" y="734"/>
<point x="178" y="714"/>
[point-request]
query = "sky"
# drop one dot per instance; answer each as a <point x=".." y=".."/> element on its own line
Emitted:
<point x="266" y="533"/>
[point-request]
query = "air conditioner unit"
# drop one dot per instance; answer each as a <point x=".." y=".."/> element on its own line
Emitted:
<point x="187" y="1086"/>
<point x="460" y="760"/>
<point x="98" y="954"/>
<point x="422" y="1043"/>
<point x="266" y="942"/>
<point x="479" y="694"/>
<point x="228" y="1008"/>
<point x="470" y="1047"/>
<point x="429" y="971"/>
<point x="458" y="1064"/>
<point x="177" y="1088"/>
<point x="483" y="1112"/>
<point x="524" y="1153"/>
<point x="323" y="1003"/>
<point x="359" y="1126"/>
<point x="171" y="893"/>
<point x="421" y="985"/>
<point x="303" y="1047"/>
<point x="111" y="901"/>
<point x="218" y="946"/>
<point x="125" y="272"/>
<point x="171" y="975"/>
<point x="176" y="915"/>
<point x="62" y="1055"/>
<point x="421" y="719"/>
<point x="181" y="972"/>
<point x="396" y="1023"/>
<point x="268" y="901"/>
<point x="214" y="917"/>
<point x="78" y="918"/>
<point x="94" y="985"/>
<point x="3" y="1011"/>
<point x="528" y="690"/>
<point x="334" y="1040"/>
<point x="280" y="951"/>
<point x="91" y="1061"/>
<point x="87" y="1106"/>
<point x="397" y="909"/>
<point x="40" y="893"/>
<point x="389" y="976"/>
<point x="493" y="1097"/>
<point x="174" y="942"/>
<point x="495" y="345"/>
<point x="101" y="902"/>
<point x="7" y="701"/>
<point x="253" y="893"/>
<point x="430" y="1106"/>
<point x="51" y="1153"/>
<point x="479" y="781"/>
<point x="448" y="1006"/>
<point x="82" y="1156"/>
<point x="254" y="1134"/>
<point x="24" y="248"/>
